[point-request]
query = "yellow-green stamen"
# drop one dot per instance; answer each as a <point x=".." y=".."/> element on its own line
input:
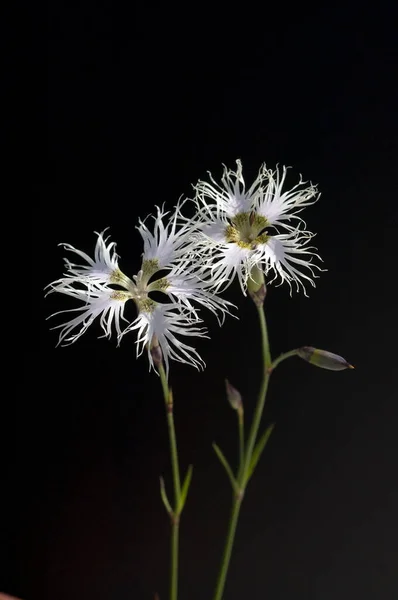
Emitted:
<point x="245" y="230"/>
<point x="149" y="267"/>
<point x="119" y="295"/>
<point x="160" y="285"/>
<point x="119" y="278"/>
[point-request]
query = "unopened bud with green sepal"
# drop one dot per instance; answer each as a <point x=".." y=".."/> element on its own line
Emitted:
<point x="323" y="359"/>
<point x="233" y="395"/>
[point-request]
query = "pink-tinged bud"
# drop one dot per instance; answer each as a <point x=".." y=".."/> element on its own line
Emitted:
<point x="323" y="359"/>
<point x="234" y="397"/>
<point x="156" y="352"/>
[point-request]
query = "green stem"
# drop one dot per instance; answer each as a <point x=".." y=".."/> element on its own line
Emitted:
<point x="176" y="481"/>
<point x="174" y="558"/>
<point x="282" y="357"/>
<point x="241" y="438"/>
<point x="244" y="468"/>
<point x="264" y="337"/>
<point x="233" y="522"/>
<point x="266" y="355"/>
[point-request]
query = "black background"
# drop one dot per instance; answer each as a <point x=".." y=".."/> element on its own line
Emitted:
<point x="141" y="103"/>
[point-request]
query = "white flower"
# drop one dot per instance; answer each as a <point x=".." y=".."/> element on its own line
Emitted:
<point x="163" y="322"/>
<point x="167" y="251"/>
<point x="239" y="229"/>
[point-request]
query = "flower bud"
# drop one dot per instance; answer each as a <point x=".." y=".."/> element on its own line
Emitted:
<point x="234" y="397"/>
<point x="156" y="352"/>
<point x="256" y="286"/>
<point x="323" y="359"/>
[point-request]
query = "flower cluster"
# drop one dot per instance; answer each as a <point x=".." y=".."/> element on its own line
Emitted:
<point x="190" y="260"/>
<point x="165" y="268"/>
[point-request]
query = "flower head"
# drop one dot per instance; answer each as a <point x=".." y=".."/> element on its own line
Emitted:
<point x="165" y="268"/>
<point x="239" y="229"/>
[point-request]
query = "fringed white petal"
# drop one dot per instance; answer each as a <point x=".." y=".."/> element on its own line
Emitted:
<point x="279" y="206"/>
<point x="99" y="301"/>
<point x="165" y="324"/>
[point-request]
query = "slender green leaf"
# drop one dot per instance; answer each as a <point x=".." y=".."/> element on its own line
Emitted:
<point x="164" y="497"/>
<point x="226" y="466"/>
<point x="258" y="449"/>
<point x="185" y="488"/>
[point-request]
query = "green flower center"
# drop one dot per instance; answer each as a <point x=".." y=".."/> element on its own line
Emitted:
<point x="247" y="230"/>
<point x="145" y="304"/>
<point x="139" y="290"/>
<point x="143" y="287"/>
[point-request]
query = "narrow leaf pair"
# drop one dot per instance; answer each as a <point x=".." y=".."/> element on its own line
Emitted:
<point x="183" y="497"/>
